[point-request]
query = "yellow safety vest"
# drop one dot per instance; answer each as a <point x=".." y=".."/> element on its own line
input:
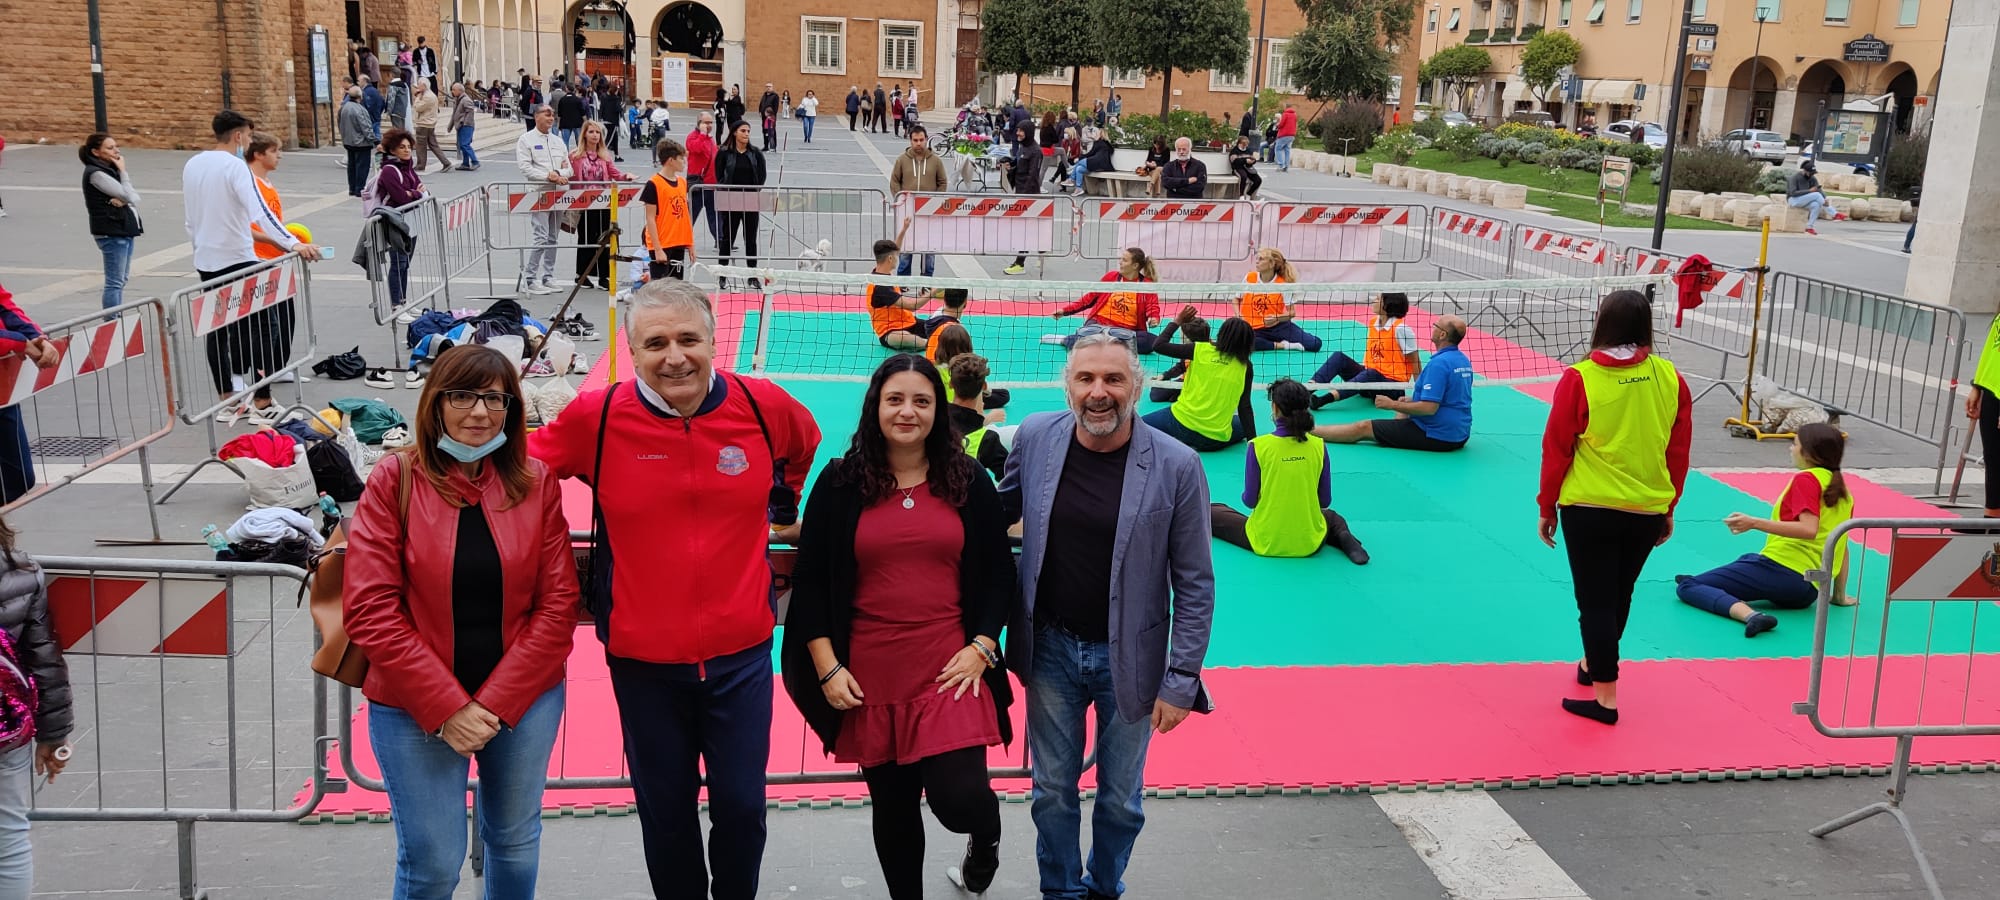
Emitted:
<point x="1988" y="373"/>
<point x="1621" y="456"/>
<point x="1803" y="556"/>
<point x="1210" y="392"/>
<point x="1287" y="520"/>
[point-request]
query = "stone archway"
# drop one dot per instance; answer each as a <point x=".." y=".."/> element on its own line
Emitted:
<point x="599" y="39"/>
<point x="692" y="31"/>
<point x="1753" y="94"/>
<point x="1823" y="82"/>
<point x="1901" y="80"/>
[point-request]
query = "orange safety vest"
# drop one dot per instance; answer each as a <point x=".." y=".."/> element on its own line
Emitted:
<point x="930" y="349"/>
<point x="1120" y="308"/>
<point x="1256" y="308"/>
<point x="1384" y="354"/>
<point x="266" y="251"/>
<point x="672" y="224"/>
<point x="886" y="318"/>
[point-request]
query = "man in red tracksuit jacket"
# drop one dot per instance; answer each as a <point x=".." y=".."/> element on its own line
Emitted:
<point x="694" y="468"/>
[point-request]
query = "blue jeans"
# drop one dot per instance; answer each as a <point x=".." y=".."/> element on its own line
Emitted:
<point x="1281" y="151"/>
<point x="1343" y="367"/>
<point x="903" y="264"/>
<point x="117" y="265"/>
<point x="1268" y="336"/>
<point x="426" y="782"/>
<point x="1070" y="679"/>
<point x="1077" y="171"/>
<point x="399" y="277"/>
<point x="570" y="136"/>
<point x="807" y="123"/>
<point x="465" y="155"/>
<point x="1813" y="203"/>
<point x="1909" y="236"/>
<point x="17" y="858"/>
<point x="1752" y="577"/>
<point x="1163" y="419"/>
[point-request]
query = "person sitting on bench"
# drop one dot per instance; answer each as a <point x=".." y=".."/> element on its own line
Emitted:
<point x="1438" y="415"/>
<point x="1272" y="317"/>
<point x="1288" y="485"/>
<point x="1391" y="354"/>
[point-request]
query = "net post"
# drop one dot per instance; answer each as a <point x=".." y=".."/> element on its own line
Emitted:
<point x="764" y="313"/>
<point x="1756" y="315"/>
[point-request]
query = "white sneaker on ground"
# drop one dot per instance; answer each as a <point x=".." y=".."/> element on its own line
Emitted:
<point x="291" y="377"/>
<point x="379" y="378"/>
<point x="413" y="379"/>
<point x="266" y="415"/>
<point x="539" y="287"/>
<point x="408" y="315"/>
<point x="229" y="415"/>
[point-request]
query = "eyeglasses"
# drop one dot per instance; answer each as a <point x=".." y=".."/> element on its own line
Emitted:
<point x="497" y="402"/>
<point x="1121" y="335"/>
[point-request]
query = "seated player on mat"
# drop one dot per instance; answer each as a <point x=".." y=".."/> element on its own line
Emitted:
<point x="1391" y="354"/>
<point x="1269" y="315"/>
<point x="1130" y="310"/>
<point x="1213" y="409"/>
<point x="949" y="339"/>
<point x="1288" y="485"/>
<point x="1438" y="415"/>
<point x="966" y="375"/>
<point x="893" y="314"/>
<point x="1810" y="508"/>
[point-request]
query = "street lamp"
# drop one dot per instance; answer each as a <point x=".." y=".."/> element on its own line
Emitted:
<point x="1757" y="68"/>
<point x="1257" y="73"/>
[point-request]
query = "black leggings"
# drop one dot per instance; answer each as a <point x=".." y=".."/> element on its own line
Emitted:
<point x="734" y="222"/>
<point x="1989" y="439"/>
<point x="960" y="796"/>
<point x="1251" y="180"/>
<point x="1233" y="526"/>
<point x="1607" y="548"/>
<point x="247" y="345"/>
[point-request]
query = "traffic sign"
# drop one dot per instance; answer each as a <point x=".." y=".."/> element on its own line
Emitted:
<point x="1704" y="29"/>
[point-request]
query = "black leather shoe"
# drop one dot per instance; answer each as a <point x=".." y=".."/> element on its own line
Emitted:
<point x="982" y="862"/>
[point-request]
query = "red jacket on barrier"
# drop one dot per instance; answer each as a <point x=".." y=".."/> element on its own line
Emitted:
<point x="397" y="593"/>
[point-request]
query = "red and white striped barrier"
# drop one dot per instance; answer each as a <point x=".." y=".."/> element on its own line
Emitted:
<point x="983" y="207"/>
<point x="1317" y="214"/>
<point x="1730" y="283"/>
<point x="1472" y="226"/>
<point x="219" y="306"/>
<point x="1562" y="244"/>
<point x="86" y="350"/>
<point x="567" y="200"/>
<point x="1944" y="567"/>
<point x="1162" y="211"/>
<point x="140" y="616"/>
<point x="460" y="212"/>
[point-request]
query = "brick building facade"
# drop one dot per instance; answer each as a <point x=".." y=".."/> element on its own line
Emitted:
<point x="168" y="67"/>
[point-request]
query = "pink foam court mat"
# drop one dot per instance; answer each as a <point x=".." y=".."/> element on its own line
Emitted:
<point x="1870" y="499"/>
<point x="1353" y="728"/>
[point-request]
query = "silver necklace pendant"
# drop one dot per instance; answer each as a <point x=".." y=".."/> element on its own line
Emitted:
<point x="909" y="502"/>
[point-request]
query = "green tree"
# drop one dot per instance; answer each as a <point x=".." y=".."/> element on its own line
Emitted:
<point x="1348" y="47"/>
<point x="1159" y="36"/>
<point x="1006" y="36"/>
<point x="1542" y="61"/>
<point x="1459" y="68"/>
<point x="1056" y="42"/>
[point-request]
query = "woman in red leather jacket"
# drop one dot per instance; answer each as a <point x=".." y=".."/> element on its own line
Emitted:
<point x="461" y="592"/>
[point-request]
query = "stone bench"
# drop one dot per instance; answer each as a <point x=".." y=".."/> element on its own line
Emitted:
<point x="1510" y="196"/>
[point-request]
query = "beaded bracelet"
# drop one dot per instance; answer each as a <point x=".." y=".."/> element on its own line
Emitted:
<point x="823" y="679"/>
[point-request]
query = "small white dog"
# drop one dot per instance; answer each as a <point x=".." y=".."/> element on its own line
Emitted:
<point x="814" y="260"/>
<point x="1781" y="411"/>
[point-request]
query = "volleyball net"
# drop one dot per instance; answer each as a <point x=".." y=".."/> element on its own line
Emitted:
<point x="805" y="325"/>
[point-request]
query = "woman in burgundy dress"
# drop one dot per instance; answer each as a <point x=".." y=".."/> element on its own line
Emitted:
<point x="903" y="582"/>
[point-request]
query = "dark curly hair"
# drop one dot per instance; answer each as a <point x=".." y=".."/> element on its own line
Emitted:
<point x="866" y="463"/>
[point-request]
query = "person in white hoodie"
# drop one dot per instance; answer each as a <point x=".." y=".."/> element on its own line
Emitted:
<point x="544" y="159"/>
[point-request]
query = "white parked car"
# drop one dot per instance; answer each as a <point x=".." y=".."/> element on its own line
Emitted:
<point x="1762" y="145"/>
<point x="1655" y="135"/>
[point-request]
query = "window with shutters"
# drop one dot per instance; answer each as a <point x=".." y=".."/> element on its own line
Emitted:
<point x="1223" y="81"/>
<point x="902" y="49"/>
<point x="1278" y="71"/>
<point x="1562" y="14"/>
<point x="1701" y="9"/>
<point x="824" y="49"/>
<point x="1633" y="8"/>
<point x="1596" y="16"/>
<point x="1451" y="25"/>
<point x="1124" y="78"/>
<point x="1431" y="22"/>
<point x="1836" y="11"/>
<point x="1053" y="76"/>
<point x="1907" y="15"/>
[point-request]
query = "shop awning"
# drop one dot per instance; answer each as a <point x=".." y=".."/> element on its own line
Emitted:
<point x="1517" y="92"/>
<point x="1611" y="91"/>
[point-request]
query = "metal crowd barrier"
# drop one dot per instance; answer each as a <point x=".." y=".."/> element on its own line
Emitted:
<point x="814" y="229"/>
<point x="1189" y="240"/>
<point x="106" y="398"/>
<point x="245" y="326"/>
<point x="1343" y="241"/>
<point x="1029" y="226"/>
<point x="512" y="211"/>
<point x="164" y="656"/>
<point x="1469" y="245"/>
<point x="1881" y="358"/>
<point x="1916" y="670"/>
<point x="1724" y="321"/>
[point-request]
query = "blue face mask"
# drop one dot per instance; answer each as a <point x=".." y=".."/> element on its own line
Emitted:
<point x="466" y="453"/>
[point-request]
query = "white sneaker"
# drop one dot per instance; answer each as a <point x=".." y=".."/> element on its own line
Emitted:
<point x="266" y="416"/>
<point x="230" y="415"/>
<point x="413" y="379"/>
<point x="398" y="436"/>
<point x="379" y="378"/>
<point x="291" y="377"/>
<point x="408" y="315"/>
<point x="539" y="287"/>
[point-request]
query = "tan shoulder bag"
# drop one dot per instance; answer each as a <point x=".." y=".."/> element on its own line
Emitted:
<point x="336" y="658"/>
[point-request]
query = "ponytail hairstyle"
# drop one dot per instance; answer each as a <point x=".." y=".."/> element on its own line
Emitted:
<point x="1280" y="266"/>
<point x="1823" y="445"/>
<point x="1293" y="403"/>
<point x="1144" y="263"/>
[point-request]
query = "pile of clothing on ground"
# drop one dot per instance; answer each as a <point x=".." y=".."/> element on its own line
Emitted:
<point x="504" y="326"/>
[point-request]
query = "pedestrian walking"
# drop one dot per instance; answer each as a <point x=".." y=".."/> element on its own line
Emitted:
<point x="426" y="65"/>
<point x="881" y="108"/>
<point x="1104" y="628"/>
<point x="1614" y="460"/>
<point x="25" y="616"/>
<point x="688" y="646"/>
<point x="357" y="137"/>
<point x="112" y="205"/>
<point x="399" y="184"/>
<point x="543" y="160"/>
<point x="611" y="111"/>
<point x="461" y="592"/>
<point x="570" y="114"/>
<point x="424" y="107"/>
<point x="767" y="110"/>
<point x="462" y="110"/>
<point x="376" y="103"/>
<point x="808" y="113"/>
<point x="1023" y="168"/>
<point x="853" y="106"/>
<point x="399" y="103"/>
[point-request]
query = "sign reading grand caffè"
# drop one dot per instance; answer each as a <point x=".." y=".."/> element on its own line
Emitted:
<point x="1868" y="48"/>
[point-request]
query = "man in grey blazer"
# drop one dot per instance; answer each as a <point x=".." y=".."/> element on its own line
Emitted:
<point x="1117" y="591"/>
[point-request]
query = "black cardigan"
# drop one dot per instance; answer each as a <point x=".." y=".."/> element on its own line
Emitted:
<point x="823" y="576"/>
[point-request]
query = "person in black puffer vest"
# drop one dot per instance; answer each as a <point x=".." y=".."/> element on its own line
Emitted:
<point x="113" y="206"/>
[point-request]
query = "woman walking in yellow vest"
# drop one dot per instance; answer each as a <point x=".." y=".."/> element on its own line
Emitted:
<point x="1391" y="354"/>
<point x="1288" y="485"/>
<point x="1213" y="409"/>
<point x="1983" y="404"/>
<point x="1807" y="512"/>
<point x="1614" y="459"/>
